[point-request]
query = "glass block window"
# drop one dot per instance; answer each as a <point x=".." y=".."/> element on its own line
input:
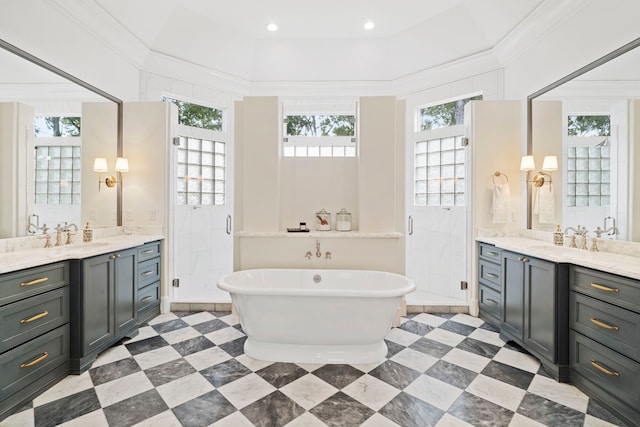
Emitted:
<point x="440" y="172"/>
<point x="201" y="172"/>
<point x="588" y="176"/>
<point x="443" y="115"/>
<point x="198" y="116"/>
<point x="319" y="129"/>
<point x="57" y="175"/>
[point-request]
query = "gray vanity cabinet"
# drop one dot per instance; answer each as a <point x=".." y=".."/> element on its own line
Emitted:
<point x="490" y="284"/>
<point x="534" y="294"/>
<point x="104" y="305"/>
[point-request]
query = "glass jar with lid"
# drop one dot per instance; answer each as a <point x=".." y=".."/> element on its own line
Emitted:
<point x="323" y="220"/>
<point x="343" y="220"/>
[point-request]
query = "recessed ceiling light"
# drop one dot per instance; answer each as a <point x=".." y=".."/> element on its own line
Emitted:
<point x="272" y="27"/>
<point x="369" y="25"/>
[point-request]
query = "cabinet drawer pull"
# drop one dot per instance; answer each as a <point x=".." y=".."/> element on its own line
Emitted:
<point x="492" y="301"/>
<point x="36" y="317"/>
<point x="147" y="252"/>
<point x="147" y="273"/>
<point x="604" y="370"/>
<point x="36" y="361"/>
<point x="112" y="257"/>
<point x="605" y="288"/>
<point x="117" y="255"/>
<point x="493" y="276"/>
<point x="603" y="325"/>
<point x="492" y="253"/>
<point x="34" y="282"/>
<point x="145" y="299"/>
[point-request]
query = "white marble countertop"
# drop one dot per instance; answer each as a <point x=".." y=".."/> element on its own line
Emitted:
<point x="623" y="265"/>
<point x="318" y="234"/>
<point x="18" y="260"/>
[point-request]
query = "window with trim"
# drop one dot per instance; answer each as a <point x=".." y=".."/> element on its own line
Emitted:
<point x="198" y="116"/>
<point x="319" y="129"/>
<point x="588" y="161"/>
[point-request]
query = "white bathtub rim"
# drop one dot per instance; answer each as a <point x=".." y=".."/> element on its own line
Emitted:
<point x="316" y="354"/>
<point x="398" y="291"/>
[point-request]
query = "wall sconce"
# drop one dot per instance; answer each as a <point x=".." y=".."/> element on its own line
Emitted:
<point x="549" y="164"/>
<point x="100" y="166"/>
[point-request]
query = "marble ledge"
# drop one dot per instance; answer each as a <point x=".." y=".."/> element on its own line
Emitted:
<point x="27" y="258"/>
<point x="322" y="234"/>
<point x="609" y="262"/>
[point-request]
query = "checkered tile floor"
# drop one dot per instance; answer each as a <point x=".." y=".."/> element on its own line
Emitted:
<point x="189" y="369"/>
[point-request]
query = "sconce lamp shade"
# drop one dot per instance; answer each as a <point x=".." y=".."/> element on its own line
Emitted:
<point x="100" y="164"/>
<point x="550" y="163"/>
<point x="527" y="163"/>
<point x="122" y="164"/>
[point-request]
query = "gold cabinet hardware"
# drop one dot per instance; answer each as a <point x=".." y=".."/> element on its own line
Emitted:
<point x="112" y="257"/>
<point x="147" y="273"/>
<point x="145" y="299"/>
<point x="36" y="317"/>
<point x="605" y="288"/>
<point x="603" y="325"/>
<point x="492" y="253"/>
<point x="523" y="259"/>
<point x="36" y="361"/>
<point x="147" y="251"/>
<point x="493" y="276"/>
<point x="492" y="301"/>
<point x="117" y="255"/>
<point x="604" y="370"/>
<point x="34" y="282"/>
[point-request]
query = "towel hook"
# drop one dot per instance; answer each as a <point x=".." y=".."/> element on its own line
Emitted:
<point x="498" y="173"/>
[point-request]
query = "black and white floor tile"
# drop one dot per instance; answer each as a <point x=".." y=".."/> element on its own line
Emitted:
<point x="189" y="369"/>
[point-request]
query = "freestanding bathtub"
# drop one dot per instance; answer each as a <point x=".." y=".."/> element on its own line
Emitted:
<point x="316" y="316"/>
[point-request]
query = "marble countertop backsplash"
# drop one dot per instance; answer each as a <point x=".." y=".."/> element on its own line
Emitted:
<point x="534" y="244"/>
<point x="25" y="252"/>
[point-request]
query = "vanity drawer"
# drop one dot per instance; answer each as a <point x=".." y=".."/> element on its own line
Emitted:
<point x="31" y="361"/>
<point x="148" y="296"/>
<point x="26" y="319"/>
<point x="490" y="301"/>
<point x="607" y="287"/>
<point x="148" y="272"/>
<point x="490" y="274"/>
<point x="615" y="374"/>
<point x="148" y="251"/>
<point x="490" y="252"/>
<point x="32" y="281"/>
<point x="612" y="326"/>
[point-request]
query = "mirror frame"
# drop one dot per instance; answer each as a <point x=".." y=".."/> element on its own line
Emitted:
<point x="52" y="68"/>
<point x="598" y="62"/>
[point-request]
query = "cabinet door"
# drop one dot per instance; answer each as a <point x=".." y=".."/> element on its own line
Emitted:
<point x="97" y="302"/>
<point x="125" y="307"/>
<point x="540" y="303"/>
<point x="513" y="294"/>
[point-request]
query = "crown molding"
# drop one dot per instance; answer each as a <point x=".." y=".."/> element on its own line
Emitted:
<point x="94" y="20"/>
<point x="29" y="92"/>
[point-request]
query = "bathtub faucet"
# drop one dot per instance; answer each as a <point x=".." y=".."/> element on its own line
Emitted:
<point x="318" y="253"/>
<point x="308" y="254"/>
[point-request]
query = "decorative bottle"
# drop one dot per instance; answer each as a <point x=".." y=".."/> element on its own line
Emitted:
<point x="87" y="234"/>
<point x="558" y="237"/>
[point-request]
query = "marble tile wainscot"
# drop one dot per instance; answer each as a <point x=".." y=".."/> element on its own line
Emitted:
<point x="602" y="307"/>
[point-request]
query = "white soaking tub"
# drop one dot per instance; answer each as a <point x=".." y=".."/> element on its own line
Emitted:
<point x="316" y="316"/>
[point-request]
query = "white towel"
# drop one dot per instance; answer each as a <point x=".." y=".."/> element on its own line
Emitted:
<point x="544" y="204"/>
<point x="501" y="210"/>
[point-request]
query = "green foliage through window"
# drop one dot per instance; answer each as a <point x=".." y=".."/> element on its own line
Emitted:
<point x="198" y="116"/>
<point x="444" y="115"/>
<point x="589" y="125"/>
<point x="56" y="126"/>
<point x="321" y="125"/>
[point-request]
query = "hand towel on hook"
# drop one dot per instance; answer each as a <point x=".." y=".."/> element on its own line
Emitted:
<point x="501" y="210"/>
<point x="544" y="204"/>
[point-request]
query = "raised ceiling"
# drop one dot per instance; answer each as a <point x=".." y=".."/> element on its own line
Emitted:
<point x="322" y="41"/>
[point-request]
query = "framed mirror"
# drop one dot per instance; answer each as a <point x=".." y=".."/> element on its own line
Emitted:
<point x="52" y="126"/>
<point x="589" y="120"/>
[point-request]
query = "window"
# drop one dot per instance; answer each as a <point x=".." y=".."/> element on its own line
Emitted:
<point x="588" y="176"/>
<point x="201" y="172"/>
<point x="443" y="115"/>
<point x="56" y="126"/>
<point x="319" y="129"/>
<point x="439" y="172"/>
<point x="581" y="125"/>
<point x="198" y="116"/>
<point x="57" y="174"/>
